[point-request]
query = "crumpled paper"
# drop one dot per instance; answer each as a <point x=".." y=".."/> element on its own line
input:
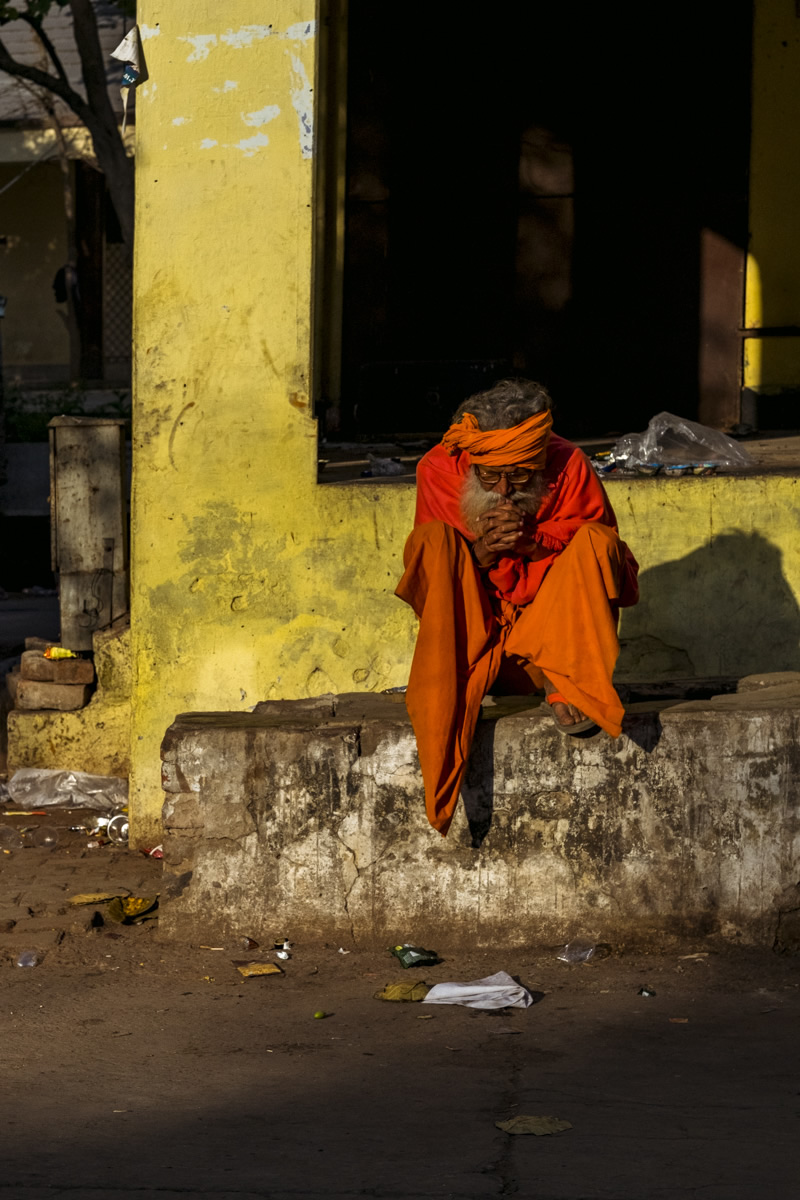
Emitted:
<point x="495" y="991"/>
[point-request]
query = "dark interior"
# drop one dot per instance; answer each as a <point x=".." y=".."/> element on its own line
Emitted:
<point x="554" y="190"/>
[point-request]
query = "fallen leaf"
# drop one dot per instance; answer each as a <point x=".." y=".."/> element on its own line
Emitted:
<point x="95" y="898"/>
<point x="404" y="991"/>
<point x="539" y="1126"/>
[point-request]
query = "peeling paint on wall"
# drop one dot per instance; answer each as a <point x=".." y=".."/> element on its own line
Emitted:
<point x="251" y="145"/>
<point x="149" y="31"/>
<point x="180" y="120"/>
<point x="202" y="43"/>
<point x="208" y="143"/>
<point x="245" y="36"/>
<point x="262" y="116"/>
<point x="302" y="100"/>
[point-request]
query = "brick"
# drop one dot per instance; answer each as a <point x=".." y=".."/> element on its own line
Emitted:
<point x="63" y="697"/>
<point x="37" y="643"/>
<point x="35" y="666"/>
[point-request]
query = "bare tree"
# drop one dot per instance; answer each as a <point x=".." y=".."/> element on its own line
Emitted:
<point x="95" y="112"/>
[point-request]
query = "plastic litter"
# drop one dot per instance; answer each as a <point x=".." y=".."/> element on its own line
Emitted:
<point x="46" y="837"/>
<point x="414" y="956"/>
<point x="251" y="969"/>
<point x="495" y="991"/>
<point x="118" y="829"/>
<point x="647" y="991"/>
<point x="674" y="442"/>
<point x="383" y="466"/>
<point x="248" y="943"/>
<point x="35" y="787"/>
<point x="577" y="951"/>
<point x="29" y="958"/>
<point x="10" y="838"/>
<point x="130" y="910"/>
<point x="55" y="653"/>
<point x="539" y="1126"/>
<point x="404" y="991"/>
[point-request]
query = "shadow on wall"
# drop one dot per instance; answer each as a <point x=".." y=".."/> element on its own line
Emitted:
<point x="723" y="610"/>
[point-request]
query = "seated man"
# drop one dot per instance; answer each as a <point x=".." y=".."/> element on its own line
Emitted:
<point x="517" y="574"/>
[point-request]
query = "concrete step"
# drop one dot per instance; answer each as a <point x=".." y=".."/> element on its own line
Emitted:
<point x="307" y="818"/>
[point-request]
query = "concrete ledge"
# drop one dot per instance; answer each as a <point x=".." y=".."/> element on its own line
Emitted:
<point x="306" y="818"/>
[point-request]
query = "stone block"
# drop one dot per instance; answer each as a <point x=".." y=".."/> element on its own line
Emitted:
<point x="34" y="666"/>
<point x="684" y="826"/>
<point x="61" y="697"/>
<point x="12" y="679"/>
<point x="37" y="643"/>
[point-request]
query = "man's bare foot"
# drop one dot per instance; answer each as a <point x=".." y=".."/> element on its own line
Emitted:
<point x="565" y="714"/>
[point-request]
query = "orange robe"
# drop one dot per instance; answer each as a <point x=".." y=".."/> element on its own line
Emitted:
<point x="555" y="617"/>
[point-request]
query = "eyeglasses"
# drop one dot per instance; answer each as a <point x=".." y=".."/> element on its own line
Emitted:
<point x="517" y="475"/>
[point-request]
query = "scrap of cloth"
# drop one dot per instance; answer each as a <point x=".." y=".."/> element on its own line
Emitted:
<point x="553" y="618"/>
<point x="495" y="991"/>
<point x="523" y="445"/>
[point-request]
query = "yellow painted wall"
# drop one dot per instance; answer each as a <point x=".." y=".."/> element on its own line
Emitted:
<point x="32" y="219"/>
<point x="249" y="580"/>
<point x="773" y="271"/>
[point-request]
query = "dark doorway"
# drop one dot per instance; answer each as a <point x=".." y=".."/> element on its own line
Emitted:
<point x="559" y="190"/>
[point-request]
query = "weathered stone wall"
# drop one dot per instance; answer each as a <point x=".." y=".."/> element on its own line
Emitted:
<point x="307" y="819"/>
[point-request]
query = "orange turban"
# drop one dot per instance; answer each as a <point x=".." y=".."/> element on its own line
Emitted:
<point x="523" y="445"/>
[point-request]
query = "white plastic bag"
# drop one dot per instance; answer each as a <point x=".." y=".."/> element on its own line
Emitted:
<point x="34" y="787"/>
<point x="671" y="440"/>
<point x="495" y="991"/>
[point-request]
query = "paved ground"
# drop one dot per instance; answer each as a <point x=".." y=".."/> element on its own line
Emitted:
<point x="136" y="1068"/>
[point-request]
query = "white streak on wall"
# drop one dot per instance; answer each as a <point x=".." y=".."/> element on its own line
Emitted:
<point x="245" y="36"/>
<point x="262" y="116"/>
<point x="302" y="100"/>
<point x="202" y="42"/>
<point x="252" y="144"/>
<point x="302" y="32"/>
<point x="149" y="31"/>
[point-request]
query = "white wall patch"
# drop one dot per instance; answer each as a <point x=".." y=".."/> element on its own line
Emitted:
<point x="302" y="100"/>
<point x="180" y="120"/>
<point x="252" y="144"/>
<point x="203" y="43"/>
<point x="303" y="31"/>
<point x="149" y="31"/>
<point x="262" y="116"/>
<point x="245" y="36"/>
<point x="208" y="143"/>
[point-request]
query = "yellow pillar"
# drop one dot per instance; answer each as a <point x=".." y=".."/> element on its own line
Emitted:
<point x="248" y="579"/>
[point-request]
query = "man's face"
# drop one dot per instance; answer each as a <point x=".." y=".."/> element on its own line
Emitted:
<point x="504" y="481"/>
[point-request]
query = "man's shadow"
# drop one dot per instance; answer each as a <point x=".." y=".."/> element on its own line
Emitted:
<point x="724" y="611"/>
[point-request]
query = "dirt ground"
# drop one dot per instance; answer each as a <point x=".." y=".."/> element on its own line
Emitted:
<point x="139" y="1068"/>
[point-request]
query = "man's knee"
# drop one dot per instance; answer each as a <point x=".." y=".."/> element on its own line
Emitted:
<point x="602" y="538"/>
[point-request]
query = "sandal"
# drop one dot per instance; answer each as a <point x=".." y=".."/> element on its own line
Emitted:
<point x="568" y="730"/>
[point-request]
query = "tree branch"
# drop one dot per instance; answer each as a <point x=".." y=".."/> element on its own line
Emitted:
<point x="38" y="29"/>
<point x="45" y="80"/>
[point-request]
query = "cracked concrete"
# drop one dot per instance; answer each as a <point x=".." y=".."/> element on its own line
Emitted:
<point x="308" y="816"/>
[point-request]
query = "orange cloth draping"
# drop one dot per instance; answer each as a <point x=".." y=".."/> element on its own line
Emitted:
<point x="555" y="617"/>
<point x="523" y="445"/>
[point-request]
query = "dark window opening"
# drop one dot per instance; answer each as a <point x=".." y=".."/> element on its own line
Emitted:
<point x="554" y="190"/>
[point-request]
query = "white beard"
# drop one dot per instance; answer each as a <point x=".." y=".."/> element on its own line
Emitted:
<point x="475" y="500"/>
